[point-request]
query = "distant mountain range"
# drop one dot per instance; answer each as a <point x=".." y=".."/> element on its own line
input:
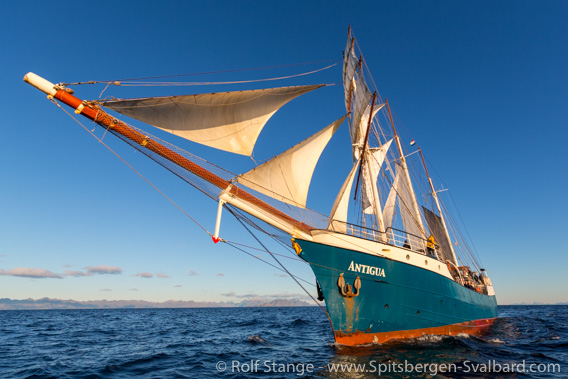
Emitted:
<point x="540" y="303"/>
<point x="47" y="303"/>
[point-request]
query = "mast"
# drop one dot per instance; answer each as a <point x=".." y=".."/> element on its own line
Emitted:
<point x="231" y="193"/>
<point x="407" y="174"/>
<point x="435" y="195"/>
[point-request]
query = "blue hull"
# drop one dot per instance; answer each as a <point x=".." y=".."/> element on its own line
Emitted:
<point x="396" y="299"/>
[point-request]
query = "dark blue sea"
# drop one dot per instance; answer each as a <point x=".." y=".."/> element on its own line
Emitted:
<point x="525" y="342"/>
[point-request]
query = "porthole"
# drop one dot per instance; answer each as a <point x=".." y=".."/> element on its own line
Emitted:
<point x="417" y="313"/>
<point x="407" y="257"/>
<point x="426" y="262"/>
<point x="386" y="306"/>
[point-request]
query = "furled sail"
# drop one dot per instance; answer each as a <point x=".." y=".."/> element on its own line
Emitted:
<point x="287" y="176"/>
<point x="338" y="215"/>
<point x="229" y="121"/>
<point x="371" y="169"/>
<point x="438" y="231"/>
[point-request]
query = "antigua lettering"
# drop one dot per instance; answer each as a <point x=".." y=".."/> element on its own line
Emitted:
<point x="364" y="269"/>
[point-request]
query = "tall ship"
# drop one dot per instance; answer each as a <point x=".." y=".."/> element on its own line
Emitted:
<point x="389" y="260"/>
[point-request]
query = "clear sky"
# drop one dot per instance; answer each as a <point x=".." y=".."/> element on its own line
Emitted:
<point x="481" y="85"/>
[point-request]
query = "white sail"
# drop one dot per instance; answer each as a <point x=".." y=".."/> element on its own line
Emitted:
<point x="359" y="131"/>
<point x="410" y="219"/>
<point x="287" y="176"/>
<point x="229" y="121"/>
<point x="338" y="215"/>
<point x="390" y="204"/>
<point x="350" y="63"/>
<point x="367" y="196"/>
<point x="361" y="98"/>
<point x="372" y="167"/>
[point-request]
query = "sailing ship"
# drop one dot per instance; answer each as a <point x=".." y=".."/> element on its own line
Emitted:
<point x="388" y="260"/>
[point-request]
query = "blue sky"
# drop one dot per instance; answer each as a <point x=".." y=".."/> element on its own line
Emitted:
<point x="480" y="85"/>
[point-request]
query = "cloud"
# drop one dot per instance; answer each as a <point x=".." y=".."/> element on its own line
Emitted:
<point x="272" y="295"/>
<point x="76" y="273"/>
<point x="220" y="274"/>
<point x="193" y="273"/>
<point x="233" y="294"/>
<point x="104" y="270"/>
<point x="146" y="275"/>
<point x="133" y="289"/>
<point x="162" y="275"/>
<point x="25" y="272"/>
<point x="286" y="295"/>
<point x="177" y="285"/>
<point x="67" y="266"/>
<point x="106" y="290"/>
<point x="281" y="275"/>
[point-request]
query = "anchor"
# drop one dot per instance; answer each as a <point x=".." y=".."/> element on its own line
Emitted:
<point x="346" y="289"/>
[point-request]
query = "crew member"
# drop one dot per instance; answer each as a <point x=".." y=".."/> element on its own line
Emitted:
<point x="430" y="245"/>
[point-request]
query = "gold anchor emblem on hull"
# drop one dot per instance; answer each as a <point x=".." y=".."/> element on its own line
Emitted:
<point x="346" y="289"/>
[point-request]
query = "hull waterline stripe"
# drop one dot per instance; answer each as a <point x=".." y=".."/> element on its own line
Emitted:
<point x="474" y="327"/>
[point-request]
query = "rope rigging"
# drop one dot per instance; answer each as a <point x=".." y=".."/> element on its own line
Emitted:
<point x="130" y="166"/>
<point x="230" y="243"/>
<point x="371" y="126"/>
<point x="142" y="81"/>
<point x="276" y="259"/>
<point x="239" y="218"/>
<point x="467" y="255"/>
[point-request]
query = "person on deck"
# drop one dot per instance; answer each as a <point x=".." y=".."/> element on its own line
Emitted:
<point x="430" y="246"/>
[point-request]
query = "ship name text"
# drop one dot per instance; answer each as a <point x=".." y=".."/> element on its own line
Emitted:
<point x="364" y="269"/>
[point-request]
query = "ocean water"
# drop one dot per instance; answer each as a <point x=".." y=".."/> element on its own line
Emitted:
<point x="531" y="341"/>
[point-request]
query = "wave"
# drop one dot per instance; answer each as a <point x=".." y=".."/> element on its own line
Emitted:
<point x="188" y="343"/>
<point x="298" y="322"/>
<point x="257" y="339"/>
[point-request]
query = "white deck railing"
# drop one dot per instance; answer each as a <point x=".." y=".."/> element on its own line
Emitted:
<point x="392" y="236"/>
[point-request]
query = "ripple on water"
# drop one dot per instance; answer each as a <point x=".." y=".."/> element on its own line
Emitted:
<point x="190" y="342"/>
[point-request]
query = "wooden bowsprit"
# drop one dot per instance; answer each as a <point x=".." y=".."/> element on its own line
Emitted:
<point x="230" y="192"/>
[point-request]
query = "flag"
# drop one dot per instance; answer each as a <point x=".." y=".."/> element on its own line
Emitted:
<point x="412" y="142"/>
